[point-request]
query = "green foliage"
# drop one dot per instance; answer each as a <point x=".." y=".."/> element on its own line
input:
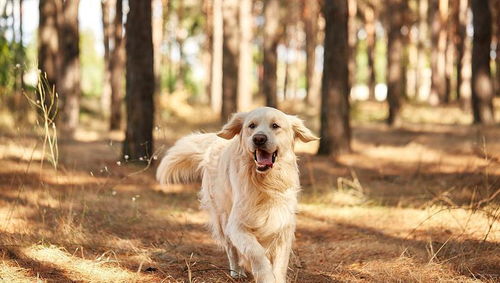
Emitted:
<point x="7" y="65"/>
<point x="92" y="65"/>
<point x="362" y="61"/>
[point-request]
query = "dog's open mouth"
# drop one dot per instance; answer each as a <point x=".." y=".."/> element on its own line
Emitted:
<point x="264" y="160"/>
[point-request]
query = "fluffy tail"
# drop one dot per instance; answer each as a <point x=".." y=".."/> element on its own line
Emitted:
<point x="182" y="162"/>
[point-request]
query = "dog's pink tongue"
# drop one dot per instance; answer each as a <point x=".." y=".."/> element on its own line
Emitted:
<point x="264" y="158"/>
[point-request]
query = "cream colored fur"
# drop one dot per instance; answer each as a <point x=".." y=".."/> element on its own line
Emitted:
<point x="252" y="213"/>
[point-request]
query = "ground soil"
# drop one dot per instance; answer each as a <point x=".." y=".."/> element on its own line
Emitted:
<point x="418" y="203"/>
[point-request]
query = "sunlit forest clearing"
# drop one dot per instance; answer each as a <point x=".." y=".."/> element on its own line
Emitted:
<point x="410" y="204"/>
<point x="403" y="185"/>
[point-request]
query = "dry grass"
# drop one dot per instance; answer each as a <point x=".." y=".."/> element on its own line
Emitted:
<point x="415" y="204"/>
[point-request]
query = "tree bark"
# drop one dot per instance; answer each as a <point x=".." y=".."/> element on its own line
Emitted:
<point x="48" y="49"/>
<point x="271" y="41"/>
<point x="371" y="40"/>
<point x="157" y="26"/>
<point x="422" y="46"/>
<point x="207" y="46"/>
<point x="461" y="20"/>
<point x="230" y="58"/>
<point x="106" y="33"/>
<point x="138" y="143"/>
<point x="482" y="84"/>
<point x="497" y="60"/>
<point x="438" y="10"/>
<point x="216" y="64"/>
<point x="116" y="67"/>
<point x="245" y="81"/>
<point x="335" y="125"/>
<point x="352" y="39"/>
<point x="69" y="70"/>
<point x="311" y="11"/>
<point x="395" y="84"/>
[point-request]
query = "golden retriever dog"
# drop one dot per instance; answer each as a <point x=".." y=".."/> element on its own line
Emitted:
<point x="249" y="185"/>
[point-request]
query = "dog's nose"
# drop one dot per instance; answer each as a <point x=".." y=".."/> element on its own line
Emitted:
<point x="259" y="139"/>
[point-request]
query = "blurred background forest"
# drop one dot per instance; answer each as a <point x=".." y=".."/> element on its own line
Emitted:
<point x="404" y="184"/>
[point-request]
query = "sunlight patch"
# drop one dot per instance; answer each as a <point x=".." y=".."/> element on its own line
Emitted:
<point x="11" y="273"/>
<point x="80" y="269"/>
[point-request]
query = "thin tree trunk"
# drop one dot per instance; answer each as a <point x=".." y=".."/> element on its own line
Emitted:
<point x="482" y="84"/>
<point x="335" y="125"/>
<point x="69" y="75"/>
<point x="216" y="72"/>
<point x="157" y="41"/>
<point x="245" y="56"/>
<point x="181" y="38"/>
<point x="439" y="10"/>
<point x="230" y="58"/>
<point x="48" y="48"/>
<point x="21" y="46"/>
<point x="311" y="28"/>
<point x="370" y="49"/>
<point x="107" y="31"/>
<point x="116" y="67"/>
<point x="138" y="143"/>
<point x="422" y="47"/>
<point x="352" y="37"/>
<point x="271" y="40"/>
<point x="497" y="60"/>
<point x="451" y="52"/>
<point x="395" y="86"/>
<point x="461" y="20"/>
<point x="207" y="48"/>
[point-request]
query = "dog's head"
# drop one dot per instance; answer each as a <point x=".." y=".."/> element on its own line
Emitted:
<point x="266" y="134"/>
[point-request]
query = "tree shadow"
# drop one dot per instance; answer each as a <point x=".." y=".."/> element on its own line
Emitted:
<point x="471" y="258"/>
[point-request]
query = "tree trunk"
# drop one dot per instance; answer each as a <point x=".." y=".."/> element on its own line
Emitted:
<point x="245" y="76"/>
<point x="335" y="127"/>
<point x="216" y="72"/>
<point x="352" y="39"/>
<point x="422" y="47"/>
<point x="461" y="20"/>
<point x="116" y="67"/>
<point x="482" y="84"/>
<point x="20" y="53"/>
<point x="438" y="10"/>
<point x="106" y="33"/>
<point x="311" y="11"/>
<point x="451" y="52"/>
<point x="157" y="26"/>
<point x="69" y="70"/>
<point x="140" y="82"/>
<point x="497" y="60"/>
<point x="230" y="58"/>
<point x="207" y="48"/>
<point x="371" y="40"/>
<point x="271" y="41"/>
<point x="395" y="86"/>
<point x="48" y="50"/>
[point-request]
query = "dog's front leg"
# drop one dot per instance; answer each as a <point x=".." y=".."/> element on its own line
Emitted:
<point x="282" y="255"/>
<point x="252" y="250"/>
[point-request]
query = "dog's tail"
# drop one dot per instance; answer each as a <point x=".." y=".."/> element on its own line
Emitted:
<point x="182" y="162"/>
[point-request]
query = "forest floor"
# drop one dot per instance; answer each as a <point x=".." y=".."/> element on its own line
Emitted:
<point x="419" y="203"/>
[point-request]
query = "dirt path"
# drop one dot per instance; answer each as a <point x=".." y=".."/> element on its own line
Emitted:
<point x="414" y="204"/>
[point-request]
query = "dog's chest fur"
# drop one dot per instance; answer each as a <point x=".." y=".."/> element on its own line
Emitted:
<point x="271" y="209"/>
<point x="274" y="216"/>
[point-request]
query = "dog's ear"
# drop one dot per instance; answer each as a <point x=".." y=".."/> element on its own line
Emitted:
<point x="233" y="127"/>
<point x="300" y="130"/>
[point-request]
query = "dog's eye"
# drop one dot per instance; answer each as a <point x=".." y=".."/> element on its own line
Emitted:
<point x="275" y="126"/>
<point x="251" y="126"/>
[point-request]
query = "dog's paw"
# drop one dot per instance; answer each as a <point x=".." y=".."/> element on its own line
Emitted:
<point x="237" y="274"/>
